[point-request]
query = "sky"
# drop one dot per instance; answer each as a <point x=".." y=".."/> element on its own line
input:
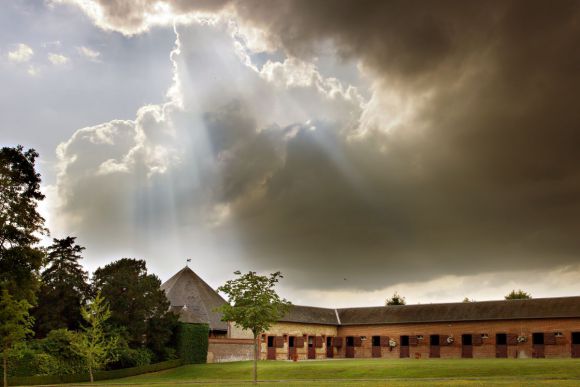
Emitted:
<point x="360" y="147"/>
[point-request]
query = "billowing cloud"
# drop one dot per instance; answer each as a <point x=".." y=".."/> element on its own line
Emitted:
<point x="461" y="161"/>
<point x="21" y="53"/>
<point x="89" y="53"/>
<point x="57" y="59"/>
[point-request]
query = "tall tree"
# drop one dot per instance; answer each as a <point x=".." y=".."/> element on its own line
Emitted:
<point x="397" y="299"/>
<point x="253" y="304"/>
<point x="138" y="305"/>
<point x="20" y="222"/>
<point x="63" y="290"/>
<point x="92" y="343"/>
<point x="15" y="324"/>
<point x="518" y="295"/>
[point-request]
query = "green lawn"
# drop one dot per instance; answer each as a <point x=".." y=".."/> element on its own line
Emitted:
<point x="404" y="372"/>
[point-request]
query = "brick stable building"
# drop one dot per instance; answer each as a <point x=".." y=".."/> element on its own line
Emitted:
<point x="548" y="327"/>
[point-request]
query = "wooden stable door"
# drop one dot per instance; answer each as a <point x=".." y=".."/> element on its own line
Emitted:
<point x="329" y="348"/>
<point x="271" y="348"/>
<point x="291" y="347"/>
<point x="404" y="347"/>
<point x="349" y="347"/>
<point x="575" y="344"/>
<point x="538" y="351"/>
<point x="501" y="348"/>
<point x="467" y="346"/>
<point x="311" y="348"/>
<point x="434" y="347"/>
<point x="376" y="346"/>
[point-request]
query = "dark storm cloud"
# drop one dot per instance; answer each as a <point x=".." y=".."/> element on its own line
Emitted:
<point x="484" y="175"/>
<point x="490" y="182"/>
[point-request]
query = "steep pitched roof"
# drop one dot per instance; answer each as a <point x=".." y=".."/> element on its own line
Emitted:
<point x="562" y="307"/>
<point x="194" y="300"/>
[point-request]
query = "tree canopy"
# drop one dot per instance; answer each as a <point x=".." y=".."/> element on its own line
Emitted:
<point x="20" y="222"/>
<point x="518" y="295"/>
<point x="139" y="308"/>
<point x="397" y="299"/>
<point x="253" y="304"/>
<point x="64" y="288"/>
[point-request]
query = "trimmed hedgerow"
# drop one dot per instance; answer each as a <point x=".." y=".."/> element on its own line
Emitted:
<point x="99" y="375"/>
<point x="192" y="342"/>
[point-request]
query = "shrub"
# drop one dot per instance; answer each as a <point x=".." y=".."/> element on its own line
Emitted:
<point x="192" y="342"/>
<point x="58" y="343"/>
<point x="24" y="361"/>
<point x="128" y="357"/>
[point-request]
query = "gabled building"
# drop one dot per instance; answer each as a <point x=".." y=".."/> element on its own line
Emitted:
<point x="544" y="327"/>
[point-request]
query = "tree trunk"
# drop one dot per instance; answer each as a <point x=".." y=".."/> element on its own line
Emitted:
<point x="91" y="374"/>
<point x="255" y="359"/>
<point x="5" y="364"/>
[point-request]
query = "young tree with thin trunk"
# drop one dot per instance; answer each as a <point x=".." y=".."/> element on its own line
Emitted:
<point x="253" y="305"/>
<point x="15" y="324"/>
<point x="92" y="343"/>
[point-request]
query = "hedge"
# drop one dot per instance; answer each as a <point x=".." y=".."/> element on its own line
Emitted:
<point x="192" y="342"/>
<point x="99" y="375"/>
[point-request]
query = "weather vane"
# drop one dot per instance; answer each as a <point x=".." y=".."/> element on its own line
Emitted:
<point x="188" y="260"/>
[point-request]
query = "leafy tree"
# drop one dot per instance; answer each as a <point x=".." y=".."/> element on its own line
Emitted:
<point x="15" y="324"/>
<point x="253" y="305"/>
<point x="467" y="299"/>
<point x="397" y="299"/>
<point x="92" y="344"/>
<point x="63" y="290"/>
<point x="518" y="295"/>
<point x="20" y="222"/>
<point x="139" y="308"/>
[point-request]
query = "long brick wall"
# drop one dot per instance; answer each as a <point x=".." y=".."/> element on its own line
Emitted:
<point x="227" y="350"/>
<point x="484" y="332"/>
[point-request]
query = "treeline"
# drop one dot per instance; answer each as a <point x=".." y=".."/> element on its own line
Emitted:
<point x="46" y="295"/>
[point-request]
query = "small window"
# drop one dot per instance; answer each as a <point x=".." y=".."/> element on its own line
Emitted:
<point x="434" y="340"/>
<point x="270" y="341"/>
<point x="575" y="337"/>
<point x="310" y="341"/>
<point x="404" y="341"/>
<point x="467" y="339"/>
<point x="501" y="339"/>
<point x="350" y="341"/>
<point x="329" y="341"/>
<point x="376" y="341"/>
<point x="291" y="341"/>
<point x="538" y="338"/>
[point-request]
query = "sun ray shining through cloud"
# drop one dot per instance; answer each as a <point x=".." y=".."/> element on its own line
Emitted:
<point x="359" y="149"/>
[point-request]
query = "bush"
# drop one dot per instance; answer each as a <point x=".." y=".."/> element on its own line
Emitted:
<point x="192" y="342"/>
<point x="128" y="357"/>
<point x="58" y="343"/>
<point x="24" y="361"/>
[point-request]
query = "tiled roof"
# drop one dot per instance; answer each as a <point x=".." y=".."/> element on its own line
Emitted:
<point x="310" y="315"/>
<point x="563" y="307"/>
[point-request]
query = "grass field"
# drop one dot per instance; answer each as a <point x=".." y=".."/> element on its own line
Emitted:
<point x="404" y="372"/>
